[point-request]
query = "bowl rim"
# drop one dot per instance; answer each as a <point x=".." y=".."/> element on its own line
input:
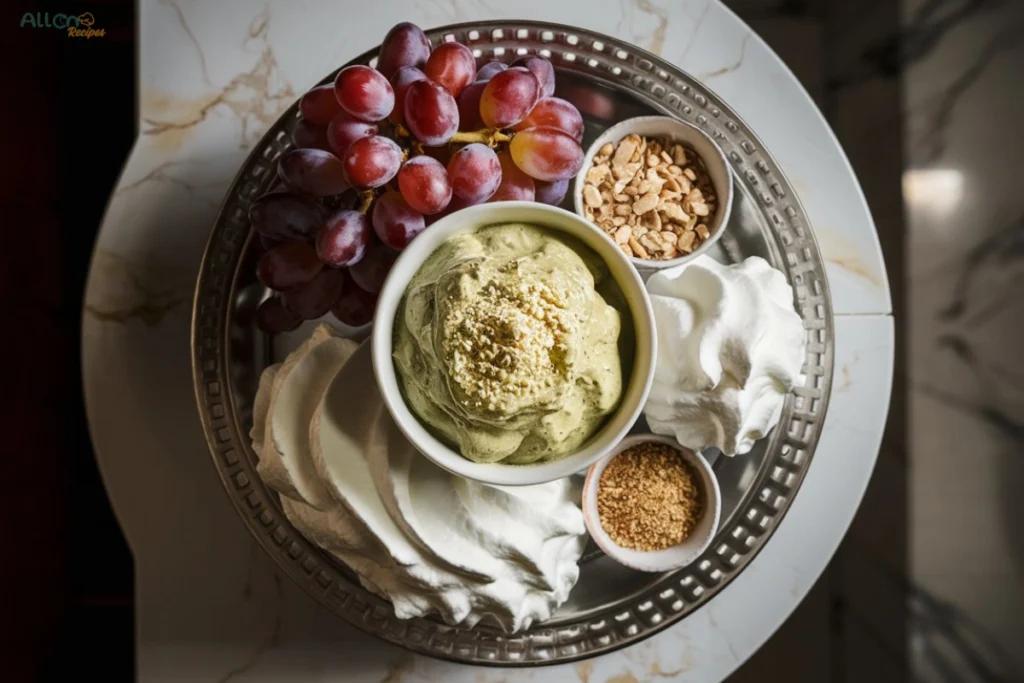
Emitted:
<point x="592" y="518"/>
<point x="624" y="128"/>
<point x="635" y="391"/>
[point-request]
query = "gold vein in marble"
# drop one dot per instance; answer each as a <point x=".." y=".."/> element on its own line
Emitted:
<point x="623" y="678"/>
<point x="657" y="38"/>
<point x="126" y="290"/>
<point x="272" y="641"/>
<point x="845" y="254"/>
<point x="725" y="635"/>
<point x="657" y="672"/>
<point x="150" y="314"/>
<point x="854" y="265"/>
<point x="250" y="96"/>
<point x="191" y="36"/>
<point x="732" y="67"/>
<point x="846" y="382"/>
<point x="160" y="174"/>
<point x="696" y="33"/>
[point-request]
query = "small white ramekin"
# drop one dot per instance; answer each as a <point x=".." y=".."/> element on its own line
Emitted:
<point x="634" y="293"/>
<point x="656" y="560"/>
<point x="677" y="131"/>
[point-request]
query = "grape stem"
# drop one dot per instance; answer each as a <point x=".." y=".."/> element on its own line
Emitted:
<point x="366" y="198"/>
<point x="415" y="146"/>
<point x="488" y="136"/>
<point x="491" y="137"/>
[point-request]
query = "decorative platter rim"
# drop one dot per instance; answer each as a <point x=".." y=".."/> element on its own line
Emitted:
<point x="675" y="595"/>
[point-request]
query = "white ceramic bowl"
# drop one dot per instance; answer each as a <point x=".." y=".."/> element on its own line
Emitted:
<point x="657" y="560"/>
<point x="678" y="131"/>
<point x="632" y="287"/>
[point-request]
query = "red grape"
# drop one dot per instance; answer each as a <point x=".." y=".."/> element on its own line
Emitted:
<point x="307" y="135"/>
<point x="542" y="70"/>
<point x="595" y="103"/>
<point x="364" y="93"/>
<point x="343" y="240"/>
<point x="551" y="192"/>
<point x="469" y="107"/>
<point x="474" y="172"/>
<point x="395" y="222"/>
<point x="343" y="131"/>
<point x="272" y="317"/>
<point x="268" y="242"/>
<point x="424" y="184"/>
<point x="404" y="45"/>
<point x="442" y="154"/>
<point x="313" y="171"/>
<point x="372" y="161"/>
<point x="400" y="82"/>
<point x="488" y="70"/>
<point x="508" y="97"/>
<point x="319" y="105"/>
<point x="287" y="216"/>
<point x="515" y="185"/>
<point x="554" y="112"/>
<point x="288" y="265"/>
<point x="546" y="153"/>
<point x="452" y="66"/>
<point x="356" y="306"/>
<point x="454" y="205"/>
<point x="371" y="270"/>
<point x="316" y="298"/>
<point x="431" y="113"/>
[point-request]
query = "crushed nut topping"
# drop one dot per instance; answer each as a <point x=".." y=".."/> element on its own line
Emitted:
<point x="653" y="197"/>
<point x="509" y="343"/>
<point x="649" y="498"/>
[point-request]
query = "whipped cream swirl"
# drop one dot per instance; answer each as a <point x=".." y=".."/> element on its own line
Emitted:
<point x="730" y="347"/>
<point x="427" y="540"/>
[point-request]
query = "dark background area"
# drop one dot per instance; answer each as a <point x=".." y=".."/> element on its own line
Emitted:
<point x="70" y="122"/>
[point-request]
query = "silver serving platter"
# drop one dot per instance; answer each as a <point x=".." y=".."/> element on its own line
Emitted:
<point x="611" y="606"/>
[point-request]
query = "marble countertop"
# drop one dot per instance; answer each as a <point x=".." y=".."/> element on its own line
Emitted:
<point x="213" y="76"/>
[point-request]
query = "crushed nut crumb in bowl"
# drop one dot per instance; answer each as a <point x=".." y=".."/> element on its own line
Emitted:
<point x="659" y="187"/>
<point x="700" y="512"/>
<point x="632" y="300"/>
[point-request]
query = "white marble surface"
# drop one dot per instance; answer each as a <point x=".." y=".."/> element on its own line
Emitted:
<point x="210" y="605"/>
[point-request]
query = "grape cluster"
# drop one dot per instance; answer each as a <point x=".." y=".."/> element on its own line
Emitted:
<point x="384" y="152"/>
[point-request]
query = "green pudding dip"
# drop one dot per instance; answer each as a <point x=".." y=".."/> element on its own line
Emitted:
<point x="506" y="349"/>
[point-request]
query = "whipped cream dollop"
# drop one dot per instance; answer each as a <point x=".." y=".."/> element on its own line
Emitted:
<point x="730" y="347"/>
<point x="427" y="540"/>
